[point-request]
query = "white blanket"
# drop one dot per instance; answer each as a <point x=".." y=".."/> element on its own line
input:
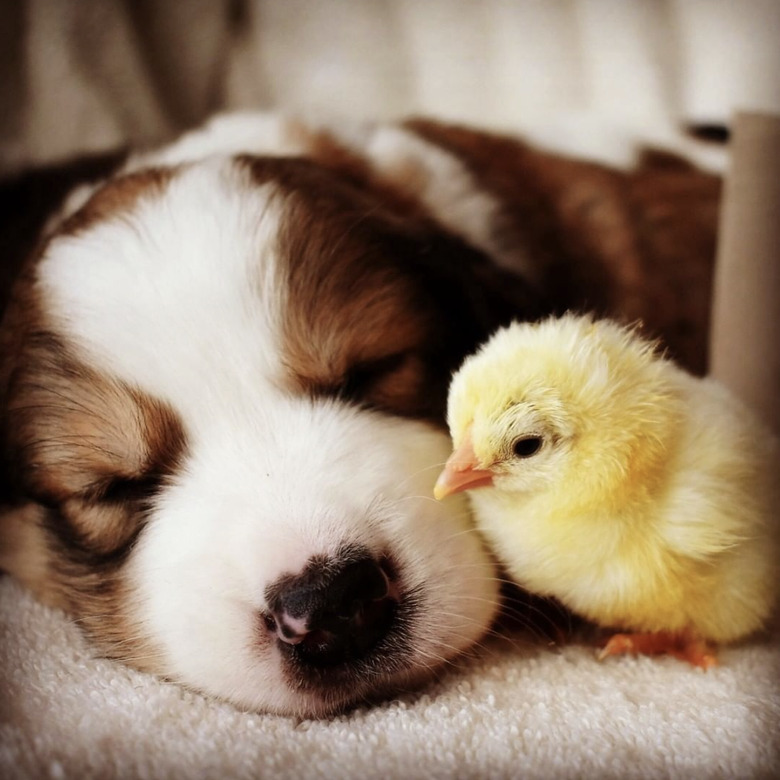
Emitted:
<point x="518" y="709"/>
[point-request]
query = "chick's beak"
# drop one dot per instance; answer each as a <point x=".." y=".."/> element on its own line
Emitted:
<point x="461" y="472"/>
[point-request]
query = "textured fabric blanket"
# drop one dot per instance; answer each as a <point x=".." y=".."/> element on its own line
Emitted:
<point x="516" y="709"/>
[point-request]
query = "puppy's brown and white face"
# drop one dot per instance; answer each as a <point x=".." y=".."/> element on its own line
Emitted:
<point x="223" y="378"/>
<point x="221" y="382"/>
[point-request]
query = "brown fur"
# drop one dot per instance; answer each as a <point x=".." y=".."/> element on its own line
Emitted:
<point x="350" y="166"/>
<point x="117" y="197"/>
<point x="637" y="245"/>
<point x="390" y="314"/>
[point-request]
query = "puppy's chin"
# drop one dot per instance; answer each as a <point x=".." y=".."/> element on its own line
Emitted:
<point x="209" y="567"/>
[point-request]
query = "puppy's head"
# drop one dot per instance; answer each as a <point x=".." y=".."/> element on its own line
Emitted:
<point x="222" y="392"/>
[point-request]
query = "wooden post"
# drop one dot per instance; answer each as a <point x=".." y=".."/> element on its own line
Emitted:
<point x="745" y="336"/>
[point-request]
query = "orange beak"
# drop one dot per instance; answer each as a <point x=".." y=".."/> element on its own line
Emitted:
<point x="461" y="472"/>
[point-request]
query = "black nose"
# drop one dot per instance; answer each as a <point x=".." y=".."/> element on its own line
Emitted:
<point x="335" y="611"/>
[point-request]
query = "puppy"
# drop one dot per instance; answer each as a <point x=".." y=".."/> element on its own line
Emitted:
<point x="223" y="377"/>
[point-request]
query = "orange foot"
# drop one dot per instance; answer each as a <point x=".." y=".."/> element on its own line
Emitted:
<point x="683" y="645"/>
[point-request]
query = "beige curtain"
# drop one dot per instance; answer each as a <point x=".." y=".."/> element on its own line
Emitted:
<point x="88" y="75"/>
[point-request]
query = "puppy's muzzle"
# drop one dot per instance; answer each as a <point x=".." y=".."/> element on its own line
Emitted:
<point x="335" y="612"/>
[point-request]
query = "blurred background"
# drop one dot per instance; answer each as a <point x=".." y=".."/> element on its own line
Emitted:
<point x="584" y="75"/>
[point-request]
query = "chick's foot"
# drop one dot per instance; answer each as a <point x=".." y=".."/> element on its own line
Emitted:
<point x="683" y="645"/>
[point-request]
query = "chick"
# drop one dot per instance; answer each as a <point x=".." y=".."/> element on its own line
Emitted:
<point x="642" y="498"/>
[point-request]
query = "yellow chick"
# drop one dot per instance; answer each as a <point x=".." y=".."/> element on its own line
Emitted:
<point x="641" y="497"/>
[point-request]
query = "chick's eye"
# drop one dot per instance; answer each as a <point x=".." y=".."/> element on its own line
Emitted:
<point x="527" y="446"/>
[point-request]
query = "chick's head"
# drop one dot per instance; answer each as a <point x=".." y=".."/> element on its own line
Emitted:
<point x="568" y="400"/>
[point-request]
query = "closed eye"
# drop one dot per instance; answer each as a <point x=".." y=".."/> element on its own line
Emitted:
<point x="396" y="383"/>
<point x="120" y="489"/>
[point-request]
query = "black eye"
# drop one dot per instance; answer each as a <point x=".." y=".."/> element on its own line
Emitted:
<point x="527" y="446"/>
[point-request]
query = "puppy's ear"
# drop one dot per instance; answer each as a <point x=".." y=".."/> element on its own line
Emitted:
<point x="24" y="552"/>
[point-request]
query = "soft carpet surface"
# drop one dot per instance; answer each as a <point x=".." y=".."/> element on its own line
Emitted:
<point x="517" y="709"/>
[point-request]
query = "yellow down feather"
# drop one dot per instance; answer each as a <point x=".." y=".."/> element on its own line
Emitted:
<point x="652" y="504"/>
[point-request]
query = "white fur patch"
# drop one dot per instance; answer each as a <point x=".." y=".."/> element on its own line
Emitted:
<point x="181" y="297"/>
<point x="178" y="297"/>
<point x="259" y="496"/>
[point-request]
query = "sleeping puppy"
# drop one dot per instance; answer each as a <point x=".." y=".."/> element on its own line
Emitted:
<point x="223" y="376"/>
